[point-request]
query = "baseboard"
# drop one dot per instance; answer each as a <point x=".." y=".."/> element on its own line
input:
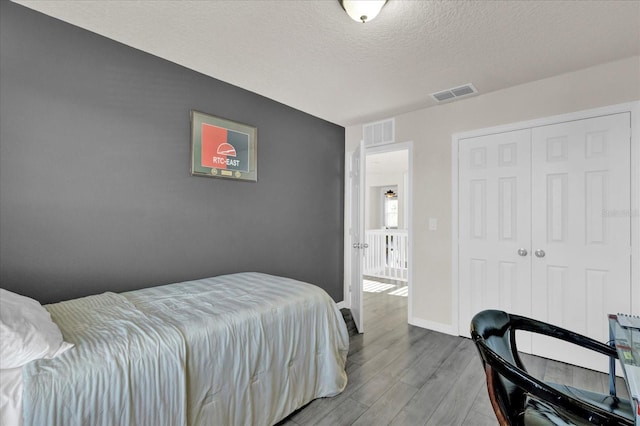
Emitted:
<point x="435" y="326"/>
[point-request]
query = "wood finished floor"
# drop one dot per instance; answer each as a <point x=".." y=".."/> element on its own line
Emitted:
<point x="405" y="375"/>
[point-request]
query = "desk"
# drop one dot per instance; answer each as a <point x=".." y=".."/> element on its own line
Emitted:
<point x="627" y="343"/>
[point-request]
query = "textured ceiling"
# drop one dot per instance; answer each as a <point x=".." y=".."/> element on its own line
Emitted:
<point x="310" y="55"/>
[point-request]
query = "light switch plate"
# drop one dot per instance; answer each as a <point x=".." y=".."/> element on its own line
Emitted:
<point x="433" y="224"/>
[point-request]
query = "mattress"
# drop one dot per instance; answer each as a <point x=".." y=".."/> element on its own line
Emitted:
<point x="241" y="349"/>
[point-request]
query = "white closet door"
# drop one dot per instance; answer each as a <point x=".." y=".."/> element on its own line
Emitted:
<point x="494" y="224"/>
<point x="581" y="230"/>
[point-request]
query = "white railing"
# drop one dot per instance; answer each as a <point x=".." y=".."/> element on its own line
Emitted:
<point x="387" y="254"/>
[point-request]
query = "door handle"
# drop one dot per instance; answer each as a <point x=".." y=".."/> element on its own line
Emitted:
<point x="540" y="253"/>
<point x="523" y="252"/>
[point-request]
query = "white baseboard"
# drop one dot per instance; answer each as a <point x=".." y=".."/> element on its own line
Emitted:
<point x="435" y="326"/>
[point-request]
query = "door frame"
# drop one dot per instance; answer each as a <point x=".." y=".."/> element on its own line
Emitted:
<point x="380" y="149"/>
<point x="634" y="109"/>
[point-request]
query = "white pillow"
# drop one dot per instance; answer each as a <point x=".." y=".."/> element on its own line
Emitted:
<point x="27" y="332"/>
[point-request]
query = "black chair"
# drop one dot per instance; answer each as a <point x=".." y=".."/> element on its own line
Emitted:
<point x="520" y="399"/>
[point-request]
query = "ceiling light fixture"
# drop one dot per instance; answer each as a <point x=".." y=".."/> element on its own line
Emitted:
<point x="362" y="10"/>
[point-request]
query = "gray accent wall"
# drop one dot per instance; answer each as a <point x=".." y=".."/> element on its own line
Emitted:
<point x="95" y="189"/>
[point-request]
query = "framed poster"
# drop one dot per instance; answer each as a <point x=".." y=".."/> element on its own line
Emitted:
<point x="223" y="148"/>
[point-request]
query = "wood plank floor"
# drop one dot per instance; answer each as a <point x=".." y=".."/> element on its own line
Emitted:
<point x="405" y="375"/>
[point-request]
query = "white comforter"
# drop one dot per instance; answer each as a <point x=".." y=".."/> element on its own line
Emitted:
<point x="11" y="397"/>
<point x="242" y="349"/>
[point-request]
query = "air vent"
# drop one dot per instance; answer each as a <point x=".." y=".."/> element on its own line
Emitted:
<point x="443" y="96"/>
<point x="379" y="132"/>
<point x="456" y="92"/>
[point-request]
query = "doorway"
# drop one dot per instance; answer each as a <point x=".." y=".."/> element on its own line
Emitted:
<point x="380" y="260"/>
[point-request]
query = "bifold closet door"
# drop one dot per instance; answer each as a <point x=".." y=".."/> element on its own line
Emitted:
<point x="494" y="225"/>
<point x="580" y="221"/>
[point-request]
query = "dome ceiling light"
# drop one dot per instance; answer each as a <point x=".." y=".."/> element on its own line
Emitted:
<point x="362" y="10"/>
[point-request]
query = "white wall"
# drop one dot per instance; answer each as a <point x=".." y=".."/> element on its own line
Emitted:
<point x="431" y="130"/>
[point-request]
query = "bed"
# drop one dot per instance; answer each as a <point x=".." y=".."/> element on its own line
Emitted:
<point x="240" y="349"/>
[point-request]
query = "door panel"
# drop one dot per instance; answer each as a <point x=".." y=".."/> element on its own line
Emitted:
<point x="581" y="272"/>
<point x="356" y="177"/>
<point x="494" y="223"/>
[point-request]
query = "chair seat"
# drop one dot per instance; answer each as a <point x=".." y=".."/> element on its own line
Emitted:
<point x="539" y="413"/>
<point x="619" y="406"/>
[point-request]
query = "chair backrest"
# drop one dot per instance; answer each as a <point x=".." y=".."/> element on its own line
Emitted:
<point x="492" y="332"/>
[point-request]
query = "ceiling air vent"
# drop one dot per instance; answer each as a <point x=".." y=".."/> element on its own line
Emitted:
<point x="456" y="92"/>
<point x="379" y="132"/>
